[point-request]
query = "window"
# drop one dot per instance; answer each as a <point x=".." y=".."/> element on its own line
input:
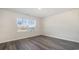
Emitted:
<point x="24" y="24"/>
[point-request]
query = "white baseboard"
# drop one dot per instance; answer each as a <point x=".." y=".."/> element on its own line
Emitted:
<point x="61" y="38"/>
<point x="8" y="40"/>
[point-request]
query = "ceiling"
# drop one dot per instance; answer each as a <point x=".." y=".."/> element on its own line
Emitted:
<point x="43" y="12"/>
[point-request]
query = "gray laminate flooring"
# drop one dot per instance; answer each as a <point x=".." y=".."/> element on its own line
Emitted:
<point x="40" y="43"/>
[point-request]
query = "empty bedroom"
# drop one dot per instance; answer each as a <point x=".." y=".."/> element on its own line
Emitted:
<point x="39" y="29"/>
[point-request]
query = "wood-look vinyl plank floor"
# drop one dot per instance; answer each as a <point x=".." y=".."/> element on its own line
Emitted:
<point x="40" y="43"/>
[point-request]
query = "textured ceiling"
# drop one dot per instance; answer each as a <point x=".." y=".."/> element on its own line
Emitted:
<point x="44" y="12"/>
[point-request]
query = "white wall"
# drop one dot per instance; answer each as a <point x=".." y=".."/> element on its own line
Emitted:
<point x="63" y="26"/>
<point x="8" y="28"/>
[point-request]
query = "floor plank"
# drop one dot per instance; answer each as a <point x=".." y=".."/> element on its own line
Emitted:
<point x="40" y="43"/>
